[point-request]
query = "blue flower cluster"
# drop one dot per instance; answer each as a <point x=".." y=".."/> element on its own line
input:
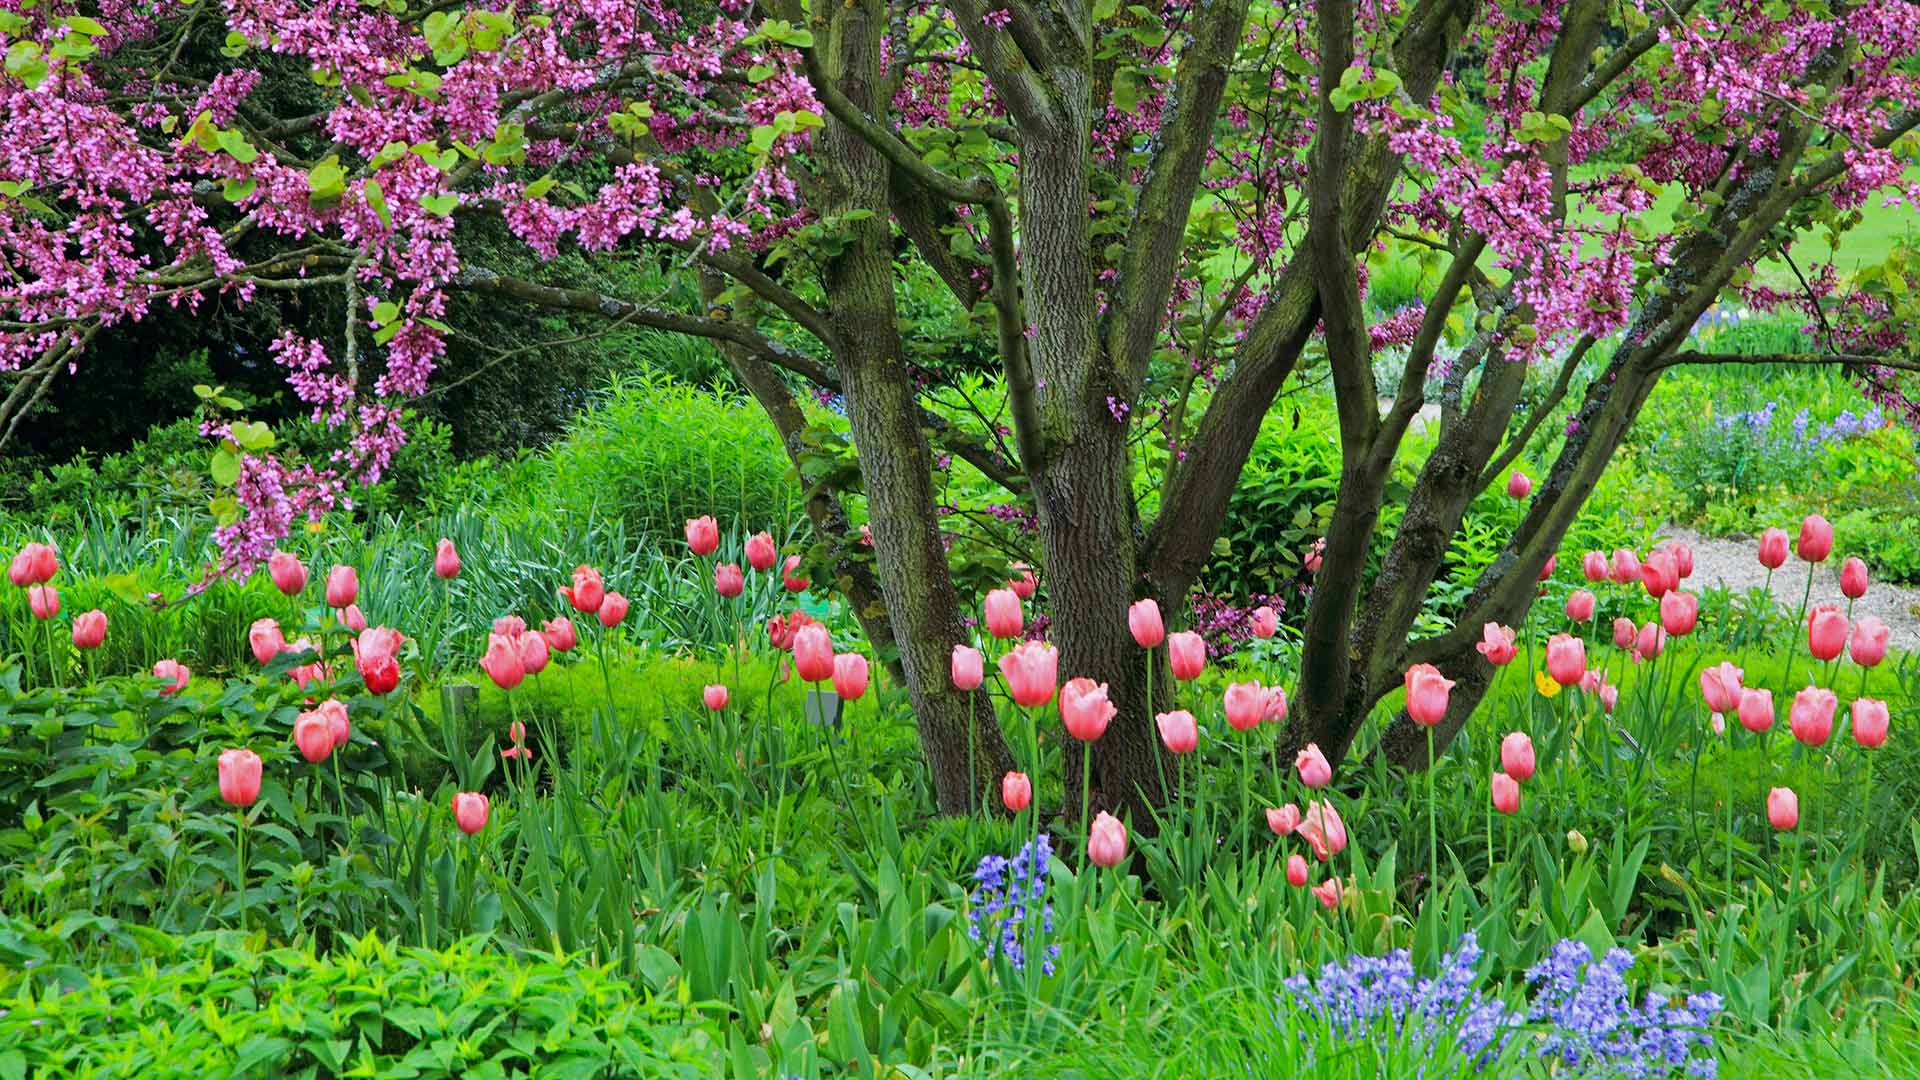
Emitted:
<point x="1804" y="435"/>
<point x="1010" y="913"/>
<point x="1581" y="1012"/>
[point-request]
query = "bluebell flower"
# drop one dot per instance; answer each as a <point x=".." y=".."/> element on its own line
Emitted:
<point x="1010" y="915"/>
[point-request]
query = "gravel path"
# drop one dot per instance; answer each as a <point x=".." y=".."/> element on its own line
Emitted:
<point x="1734" y="564"/>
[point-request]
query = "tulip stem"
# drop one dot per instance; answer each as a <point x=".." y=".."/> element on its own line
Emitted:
<point x="846" y="797"/>
<point x="1728" y="797"/>
<point x="1433" y="833"/>
<point x="240" y="862"/>
<point x="1799" y="622"/>
<point x="1086" y="784"/>
<point x="53" y="654"/>
<point x="1153" y="734"/>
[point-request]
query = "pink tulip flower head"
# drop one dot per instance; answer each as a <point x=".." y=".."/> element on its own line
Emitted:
<point x="381" y="672"/>
<point x="1178" y="731"/>
<point x="1659" y="574"/>
<point x="1312" y="766"/>
<point x="339" y="725"/>
<point x="1427" y="693"/>
<point x="613" y="610"/>
<point x="266" y="640"/>
<point x="1106" y="841"/>
<point x="1506" y="793"/>
<point x="1773" y="548"/>
<point x="1023" y="583"/>
<point x="1566" y="659"/>
<point x="1580" y="605"/>
<point x="1869" y="722"/>
<point x="560" y="634"/>
<point x="1519" y="485"/>
<point x="1650" y="642"/>
<point x="1626" y="566"/>
<point x="1186" y="655"/>
<point x="470" y="811"/>
<point x="1328" y="893"/>
<point x="1682" y="558"/>
<point x="969" y="667"/>
<point x="1783" y="809"/>
<point x="1245" y="705"/>
<point x="343" y="586"/>
<point x="89" y="629"/>
<point x="1853" y="578"/>
<point x="1516" y="755"/>
<point x="1816" y="539"/>
<point x="714" y="696"/>
<point x="1276" y="705"/>
<point x="1547" y="570"/>
<point x="813" y="653"/>
<point x="1826" y="633"/>
<point x="35" y="564"/>
<point x="703" y="537"/>
<point x="1003" y="614"/>
<point x="1031" y="670"/>
<point x="1679" y="613"/>
<point x="587" y="591"/>
<point x="790" y="579"/>
<point x="173" y="674"/>
<point x="1720" y="686"/>
<point x="1755" y="710"/>
<point x="1810" y="718"/>
<point x="728" y="581"/>
<point x="1283" y="820"/>
<point x="1296" y="870"/>
<point x="1143" y="619"/>
<point x="288" y="572"/>
<point x="1084" y="708"/>
<point x="1869" y="643"/>
<point x="1593" y="566"/>
<point x="534" y="653"/>
<point x="1323" y="830"/>
<point x="761" y="552"/>
<point x="502" y="662"/>
<point x="1312" y="559"/>
<point x="1496" y="644"/>
<point x="239" y="777"/>
<point x="43" y="601"/>
<point x="1264" y="622"/>
<point x="446" y="560"/>
<point x="312" y="736"/>
<point x="850" y="676"/>
<point x="1624" y="633"/>
<point x="1016" y="791"/>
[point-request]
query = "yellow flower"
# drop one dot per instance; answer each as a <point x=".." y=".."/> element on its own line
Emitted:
<point x="1545" y="684"/>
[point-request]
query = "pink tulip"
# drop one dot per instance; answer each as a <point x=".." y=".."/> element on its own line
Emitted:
<point x="1869" y="722"/>
<point x="1296" y="870"/>
<point x="703" y="537"/>
<point x="352" y="618"/>
<point x="1773" y="548"/>
<point x="1311" y="560"/>
<point x="1547" y="570"/>
<point x="1143" y="619"/>
<point x="312" y="737"/>
<point x="470" y="811"/>
<point x="1264" y="623"/>
<point x="1003" y="614"/>
<point x="560" y="634"/>
<point x="1783" y="809"/>
<point x="1427" y="692"/>
<point x="1811" y="716"/>
<point x="1178" y="731"/>
<point x="339" y="725"/>
<point x="715" y="696"/>
<point x="1323" y="830"/>
<point x="1720" y="686"/>
<point x="1623" y="633"/>
<point x="509" y="626"/>
<point x="533" y="653"/>
<point x="1519" y="485"/>
<point x="728" y="581"/>
<point x="1679" y="613"/>
<point x="1869" y="644"/>
<point x="1506" y="793"/>
<point x="1246" y="705"/>
<point x="1023" y="583"/>
<point x="1593" y="565"/>
<point x="1186" y="655"/>
<point x="1276" y="705"/>
<point x="1659" y="574"/>
<point x="1718" y="723"/>
<point x="1031" y="670"/>
<point x="1682" y="558"/>
<point x="34" y="565"/>
<point x="343" y="585"/>
<point x="1312" y="766"/>
<point x="1566" y="659"/>
<point x="446" y="560"/>
<point x="587" y="593"/>
<point x="850" y="676"/>
<point x="1580" y="605"/>
<point x="1084" y="708"/>
<point x="1106" y="841"/>
<point x="1609" y="697"/>
<point x="378" y="641"/>
<point x="1283" y="820"/>
<point x="266" y="640"/>
<point x="1496" y="644"/>
<point x="1755" y="709"/>
<point x="502" y="662"/>
<point x="968" y="667"/>
<point x="1826" y="633"/>
<point x="1516" y="755"/>
<point x="239" y="777"/>
<point x="288" y="572"/>
<point x="89" y="629"/>
<point x="791" y="581"/>
<point x="781" y="629"/>
<point x="174" y="674"/>
<point x="1816" y="539"/>
<point x="761" y="552"/>
<point x="1016" y="791"/>
<point x="613" y="610"/>
<point x="1626" y="566"/>
<point x="1853" y="579"/>
<point x="1328" y="893"/>
<point x="381" y="673"/>
<point x="44" y="601"/>
<point x="1650" y="642"/>
<point x="813" y="653"/>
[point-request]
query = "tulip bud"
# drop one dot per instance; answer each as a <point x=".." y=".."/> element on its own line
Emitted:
<point x="1016" y="791"/>
<point x="714" y="696"/>
<point x="1516" y="755"/>
<point x="1186" y="655"/>
<point x="1853" y="579"/>
<point x="703" y="536"/>
<point x="446" y="560"/>
<point x="1143" y="620"/>
<point x="1178" y="731"/>
<point x="761" y="552"/>
<point x="470" y="811"/>
<point x="239" y="773"/>
<point x="343" y="585"/>
<point x="968" y="667"/>
<point x="1505" y="792"/>
<point x="1783" y="809"/>
<point x="1519" y="485"/>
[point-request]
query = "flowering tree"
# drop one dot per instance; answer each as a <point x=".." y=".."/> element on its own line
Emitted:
<point x="1159" y="215"/>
